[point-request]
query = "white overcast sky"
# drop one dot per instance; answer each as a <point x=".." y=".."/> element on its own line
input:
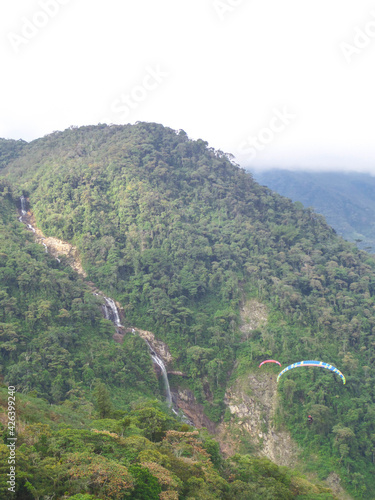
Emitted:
<point x="222" y="70"/>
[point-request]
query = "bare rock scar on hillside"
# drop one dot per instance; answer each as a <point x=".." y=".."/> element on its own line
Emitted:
<point x="253" y="315"/>
<point x="55" y="246"/>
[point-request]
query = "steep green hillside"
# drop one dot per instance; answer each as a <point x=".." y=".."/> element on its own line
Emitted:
<point x="72" y="440"/>
<point x="9" y="150"/>
<point x="181" y="236"/>
<point x="53" y="337"/>
<point x="67" y="451"/>
<point x="346" y="199"/>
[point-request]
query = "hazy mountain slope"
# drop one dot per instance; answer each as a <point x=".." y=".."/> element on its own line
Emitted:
<point x="346" y="199"/>
<point x="181" y="237"/>
<point x="9" y="150"/>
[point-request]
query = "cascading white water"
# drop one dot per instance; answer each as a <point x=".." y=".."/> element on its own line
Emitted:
<point x="23" y="205"/>
<point x="106" y="311"/>
<point x="160" y="363"/>
<point x="111" y="312"/>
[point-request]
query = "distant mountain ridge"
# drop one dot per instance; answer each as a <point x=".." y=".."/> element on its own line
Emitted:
<point x="346" y="199"/>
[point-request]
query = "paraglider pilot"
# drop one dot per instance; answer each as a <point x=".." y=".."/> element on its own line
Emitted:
<point x="309" y="419"/>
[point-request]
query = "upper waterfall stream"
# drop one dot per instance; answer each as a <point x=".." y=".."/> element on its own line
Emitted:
<point x="111" y="312"/>
<point x="109" y="308"/>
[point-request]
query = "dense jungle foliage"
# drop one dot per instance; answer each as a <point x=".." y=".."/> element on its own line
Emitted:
<point x="54" y="339"/>
<point x="181" y="236"/>
<point x="9" y="150"/>
<point x="73" y="451"/>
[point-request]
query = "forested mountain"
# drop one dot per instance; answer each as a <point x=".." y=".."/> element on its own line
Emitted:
<point x="183" y="238"/>
<point x="346" y="199"/>
<point x="88" y="424"/>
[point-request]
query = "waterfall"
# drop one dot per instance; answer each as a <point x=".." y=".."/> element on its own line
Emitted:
<point x="111" y="312"/>
<point x="106" y="312"/>
<point x="160" y="363"/>
<point x="23" y="205"/>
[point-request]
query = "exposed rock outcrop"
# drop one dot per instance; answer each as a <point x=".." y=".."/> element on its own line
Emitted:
<point x="55" y="246"/>
<point x="253" y="314"/>
<point x="185" y="400"/>
<point x="175" y="372"/>
<point x="333" y="481"/>
<point x="158" y="346"/>
<point x="252" y="402"/>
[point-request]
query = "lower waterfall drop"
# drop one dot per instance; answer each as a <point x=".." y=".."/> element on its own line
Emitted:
<point x="160" y="363"/>
<point x="110" y="312"/>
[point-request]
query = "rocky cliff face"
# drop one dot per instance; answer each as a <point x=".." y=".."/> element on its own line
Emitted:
<point x="253" y="315"/>
<point x="185" y="400"/>
<point x="161" y="349"/>
<point x="252" y="402"/>
<point x="333" y="481"/>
